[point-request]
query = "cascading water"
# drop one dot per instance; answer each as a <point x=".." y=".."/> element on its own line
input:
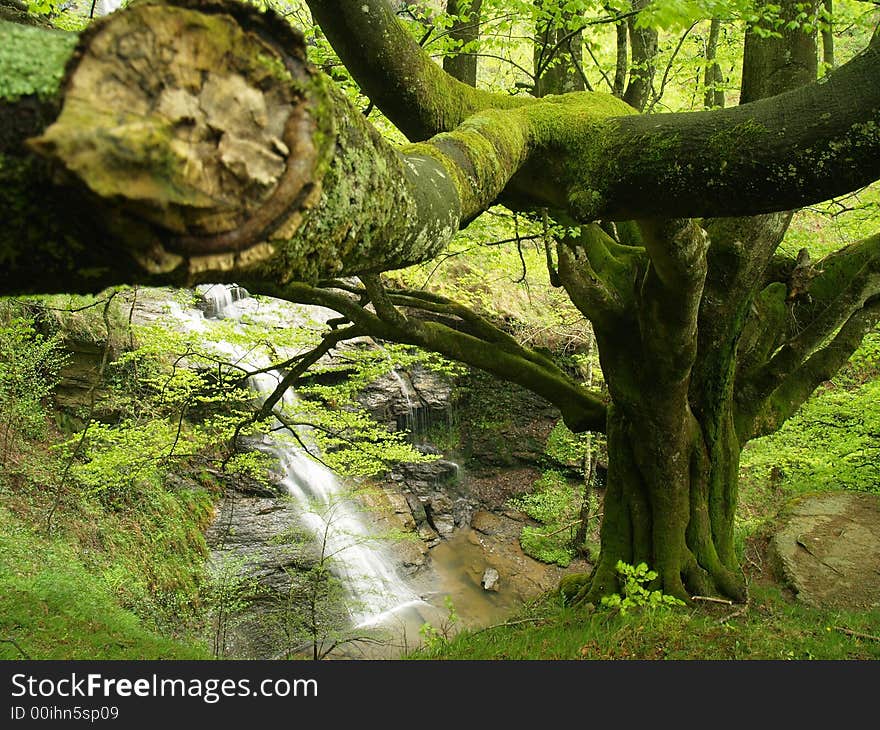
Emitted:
<point x="375" y="589"/>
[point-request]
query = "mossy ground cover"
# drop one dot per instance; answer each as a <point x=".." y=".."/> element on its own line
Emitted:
<point x="774" y="627"/>
<point x="53" y="607"/>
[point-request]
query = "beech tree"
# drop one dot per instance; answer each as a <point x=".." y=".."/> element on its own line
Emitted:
<point x="190" y="141"/>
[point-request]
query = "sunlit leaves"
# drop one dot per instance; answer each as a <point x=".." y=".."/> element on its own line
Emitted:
<point x="30" y="367"/>
<point x="555" y="505"/>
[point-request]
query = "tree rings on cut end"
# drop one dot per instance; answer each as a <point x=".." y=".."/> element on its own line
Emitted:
<point x="196" y="119"/>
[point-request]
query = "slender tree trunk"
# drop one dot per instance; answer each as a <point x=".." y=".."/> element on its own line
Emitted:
<point x="713" y="78"/>
<point x="827" y="17"/>
<point x="783" y="59"/>
<point x="559" y="59"/>
<point x="643" y="41"/>
<point x="589" y="462"/>
<point x="621" y="66"/>
<point x="465" y="30"/>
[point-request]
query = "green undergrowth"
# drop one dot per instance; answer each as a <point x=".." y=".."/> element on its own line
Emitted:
<point x="54" y="607"/>
<point x="102" y="546"/>
<point x="831" y="443"/>
<point x="554" y="504"/>
<point x="774" y="628"/>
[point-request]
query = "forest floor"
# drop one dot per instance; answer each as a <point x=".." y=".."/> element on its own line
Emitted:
<point x="773" y="625"/>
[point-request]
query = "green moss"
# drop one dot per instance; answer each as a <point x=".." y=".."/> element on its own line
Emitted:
<point x="32" y="60"/>
<point x="54" y="607"/>
<point x="488" y="148"/>
<point x="275" y="67"/>
<point x="737" y="140"/>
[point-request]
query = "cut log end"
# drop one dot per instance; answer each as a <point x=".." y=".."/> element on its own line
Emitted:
<point x="197" y="117"/>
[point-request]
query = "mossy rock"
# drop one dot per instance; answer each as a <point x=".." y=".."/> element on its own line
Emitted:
<point x="827" y="549"/>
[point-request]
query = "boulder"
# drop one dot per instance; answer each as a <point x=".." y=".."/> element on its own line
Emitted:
<point x="827" y="550"/>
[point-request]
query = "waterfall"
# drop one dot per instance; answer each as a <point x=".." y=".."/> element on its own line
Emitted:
<point x="369" y="577"/>
<point x="416" y="419"/>
<point x="409" y="423"/>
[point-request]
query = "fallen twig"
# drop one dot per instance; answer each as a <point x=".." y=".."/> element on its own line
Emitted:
<point x="15" y="644"/>
<point x="858" y="634"/>
<point x="570" y="525"/>
<point x="739" y="612"/>
<point x="712" y="599"/>
<point x="561" y="529"/>
<point x="509" y="623"/>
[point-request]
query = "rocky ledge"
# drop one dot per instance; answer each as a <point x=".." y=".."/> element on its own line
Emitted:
<point x="828" y="550"/>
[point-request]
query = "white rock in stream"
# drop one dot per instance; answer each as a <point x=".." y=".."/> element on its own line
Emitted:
<point x="490" y="579"/>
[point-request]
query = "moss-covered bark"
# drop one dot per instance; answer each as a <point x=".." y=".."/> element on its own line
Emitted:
<point x="398" y="76"/>
<point x="205" y="163"/>
<point x="208" y="149"/>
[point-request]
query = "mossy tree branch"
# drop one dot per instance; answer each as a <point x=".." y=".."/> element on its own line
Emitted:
<point x="203" y="165"/>
<point x="483" y="346"/>
<point x="820" y="367"/>
<point x="793" y="348"/>
<point x="599" y="275"/>
<point x="396" y="73"/>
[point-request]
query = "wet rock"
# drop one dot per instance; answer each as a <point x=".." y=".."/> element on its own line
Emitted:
<point x="79" y="377"/>
<point x="386" y="398"/>
<point x="395" y="504"/>
<point x="409" y="400"/>
<point x="445" y="524"/>
<point x="253" y="532"/>
<point x="828" y="550"/>
<point x="428" y="534"/>
<point x="488" y="523"/>
<point x="433" y="389"/>
<point x="417" y="509"/>
<point x="434" y="494"/>
<point x="461" y="512"/>
<point x="490" y="580"/>
<point x="412" y="554"/>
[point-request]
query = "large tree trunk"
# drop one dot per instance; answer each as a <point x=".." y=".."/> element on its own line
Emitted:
<point x="676" y="428"/>
<point x="669" y="504"/>
<point x="671" y="473"/>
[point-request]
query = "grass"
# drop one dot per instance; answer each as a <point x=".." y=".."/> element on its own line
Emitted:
<point x="774" y="628"/>
<point x="52" y="607"/>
